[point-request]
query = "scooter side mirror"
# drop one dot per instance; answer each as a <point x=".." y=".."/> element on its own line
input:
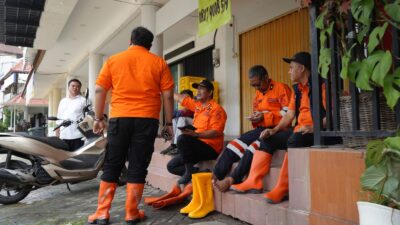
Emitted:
<point x="52" y="118"/>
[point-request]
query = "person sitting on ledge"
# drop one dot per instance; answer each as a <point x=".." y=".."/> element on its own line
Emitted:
<point x="205" y="140"/>
<point x="181" y="118"/>
<point x="300" y="108"/>
<point x="269" y="104"/>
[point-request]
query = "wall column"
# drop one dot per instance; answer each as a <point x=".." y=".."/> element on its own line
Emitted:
<point x="95" y="64"/>
<point x="50" y="124"/>
<point x="56" y="93"/>
<point x="148" y="20"/>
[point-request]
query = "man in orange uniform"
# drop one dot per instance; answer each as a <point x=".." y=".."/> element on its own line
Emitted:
<point x="206" y="142"/>
<point x="270" y="103"/>
<point x="139" y="79"/>
<point x="300" y="108"/>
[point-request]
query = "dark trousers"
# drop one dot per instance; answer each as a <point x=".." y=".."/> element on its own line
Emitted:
<point x="191" y="150"/>
<point x="132" y="139"/>
<point x="74" y="144"/>
<point x="234" y="153"/>
<point x="294" y="140"/>
<point x="279" y="141"/>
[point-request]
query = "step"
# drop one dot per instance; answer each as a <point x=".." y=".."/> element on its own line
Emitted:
<point x="251" y="208"/>
<point x="160" y="179"/>
<point x="158" y="168"/>
<point x="160" y="144"/>
<point x="159" y="160"/>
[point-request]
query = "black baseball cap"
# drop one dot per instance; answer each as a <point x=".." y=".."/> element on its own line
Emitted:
<point x="204" y="83"/>
<point x="303" y="58"/>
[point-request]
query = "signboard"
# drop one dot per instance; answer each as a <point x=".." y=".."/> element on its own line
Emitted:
<point x="213" y="14"/>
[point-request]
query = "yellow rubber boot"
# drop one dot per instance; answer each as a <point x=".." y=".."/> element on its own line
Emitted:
<point x="194" y="204"/>
<point x="206" y="196"/>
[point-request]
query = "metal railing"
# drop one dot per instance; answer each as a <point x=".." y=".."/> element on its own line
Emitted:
<point x="335" y="85"/>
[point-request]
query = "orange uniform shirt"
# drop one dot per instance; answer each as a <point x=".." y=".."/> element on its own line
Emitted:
<point x="210" y="117"/>
<point x="274" y="100"/>
<point x="137" y="78"/>
<point x="305" y="114"/>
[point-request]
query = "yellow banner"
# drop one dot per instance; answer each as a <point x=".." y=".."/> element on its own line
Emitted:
<point x="213" y="14"/>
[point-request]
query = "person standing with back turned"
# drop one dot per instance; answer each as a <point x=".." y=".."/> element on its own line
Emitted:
<point x="138" y="79"/>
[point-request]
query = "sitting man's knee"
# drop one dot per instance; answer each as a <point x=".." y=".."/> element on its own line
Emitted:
<point x="184" y="139"/>
<point x="171" y="166"/>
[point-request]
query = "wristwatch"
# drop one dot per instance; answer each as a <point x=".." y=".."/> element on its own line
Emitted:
<point x="98" y="119"/>
<point x="168" y="124"/>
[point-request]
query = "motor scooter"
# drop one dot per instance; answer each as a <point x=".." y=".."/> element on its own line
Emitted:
<point x="28" y="162"/>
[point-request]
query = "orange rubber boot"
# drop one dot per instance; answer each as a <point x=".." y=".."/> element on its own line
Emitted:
<point x="281" y="189"/>
<point x="106" y="195"/>
<point x="174" y="200"/>
<point x="259" y="168"/>
<point x="173" y="193"/>
<point x="133" y="196"/>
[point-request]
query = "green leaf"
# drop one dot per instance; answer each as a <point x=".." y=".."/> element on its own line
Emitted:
<point x="393" y="142"/>
<point x="363" y="32"/>
<point x="345" y="63"/>
<point x="362" y="79"/>
<point x="330" y="28"/>
<point x="354" y="69"/>
<point x="396" y="79"/>
<point x="324" y="61"/>
<point x="322" y="38"/>
<point x="393" y="10"/>
<point x="375" y="37"/>
<point x="325" y="34"/>
<point x="368" y="65"/>
<point x="374" y="152"/>
<point x="319" y="22"/>
<point x="382" y="68"/>
<point x="391" y="184"/>
<point x="394" y="165"/>
<point x="373" y="178"/>
<point x="392" y="95"/>
<point x="361" y="10"/>
<point x="345" y="67"/>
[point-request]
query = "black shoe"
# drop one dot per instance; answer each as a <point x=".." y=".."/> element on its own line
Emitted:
<point x="133" y="222"/>
<point x="187" y="176"/>
<point x="100" y="222"/>
<point x="173" y="152"/>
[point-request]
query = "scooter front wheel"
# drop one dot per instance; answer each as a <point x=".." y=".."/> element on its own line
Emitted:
<point x="12" y="193"/>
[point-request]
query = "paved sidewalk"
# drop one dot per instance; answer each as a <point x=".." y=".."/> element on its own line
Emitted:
<point x="57" y="206"/>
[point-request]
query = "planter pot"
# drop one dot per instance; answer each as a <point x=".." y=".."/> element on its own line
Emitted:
<point x="374" y="214"/>
<point x="387" y="118"/>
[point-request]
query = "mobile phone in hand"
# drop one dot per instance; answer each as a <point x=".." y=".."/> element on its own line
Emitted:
<point x="188" y="127"/>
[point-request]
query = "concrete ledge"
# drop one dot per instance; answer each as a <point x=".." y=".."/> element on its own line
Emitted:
<point x="251" y="208"/>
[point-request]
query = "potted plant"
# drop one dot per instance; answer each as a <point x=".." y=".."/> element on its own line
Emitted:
<point x="368" y="61"/>
<point x="381" y="180"/>
<point x="365" y="58"/>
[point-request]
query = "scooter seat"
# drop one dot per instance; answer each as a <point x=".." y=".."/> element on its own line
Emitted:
<point x="52" y="141"/>
<point x="80" y="162"/>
